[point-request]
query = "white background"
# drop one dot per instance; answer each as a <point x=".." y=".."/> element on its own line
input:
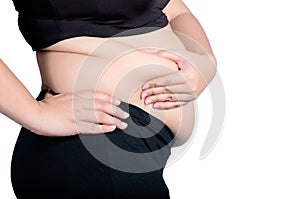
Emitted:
<point x="256" y="44"/>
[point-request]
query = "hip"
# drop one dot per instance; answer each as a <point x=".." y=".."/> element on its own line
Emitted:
<point x="120" y="164"/>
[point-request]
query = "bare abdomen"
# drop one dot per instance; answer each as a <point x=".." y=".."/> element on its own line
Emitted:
<point x="121" y="77"/>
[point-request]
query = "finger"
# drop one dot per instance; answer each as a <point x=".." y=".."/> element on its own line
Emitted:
<point x="92" y="128"/>
<point x="179" y="88"/>
<point x="153" y="91"/>
<point x="169" y="97"/>
<point x="105" y="107"/>
<point x="170" y="55"/>
<point x="100" y="117"/>
<point x="165" y="80"/>
<point x="168" y="105"/>
<point x="107" y="98"/>
<point x="160" y="98"/>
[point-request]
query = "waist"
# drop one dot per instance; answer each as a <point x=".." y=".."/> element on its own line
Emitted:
<point x="116" y="66"/>
<point x="121" y="77"/>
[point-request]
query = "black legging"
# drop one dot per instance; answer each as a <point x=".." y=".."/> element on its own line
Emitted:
<point x="64" y="167"/>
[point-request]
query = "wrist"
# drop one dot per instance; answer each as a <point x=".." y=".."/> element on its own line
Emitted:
<point x="34" y="117"/>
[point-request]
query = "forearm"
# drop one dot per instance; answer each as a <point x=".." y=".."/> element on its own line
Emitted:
<point x="16" y="102"/>
<point x="198" y="50"/>
<point x="189" y="30"/>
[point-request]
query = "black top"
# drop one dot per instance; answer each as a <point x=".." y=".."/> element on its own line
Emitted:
<point x="45" y="22"/>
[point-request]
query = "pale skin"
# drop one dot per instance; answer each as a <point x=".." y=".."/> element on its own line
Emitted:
<point x="183" y="21"/>
<point x="54" y="116"/>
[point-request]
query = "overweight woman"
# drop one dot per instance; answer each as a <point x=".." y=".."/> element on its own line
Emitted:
<point x="118" y="82"/>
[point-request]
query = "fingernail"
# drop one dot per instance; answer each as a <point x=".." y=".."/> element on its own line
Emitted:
<point x="117" y="102"/>
<point x="126" y="115"/>
<point x="112" y="127"/>
<point x="148" y="101"/>
<point x="156" y="106"/>
<point x="124" y="125"/>
<point x="146" y="86"/>
<point x="144" y="95"/>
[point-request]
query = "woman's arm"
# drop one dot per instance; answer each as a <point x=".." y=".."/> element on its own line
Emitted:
<point x="186" y="24"/>
<point x="197" y="63"/>
<point x="15" y="100"/>
<point x="54" y="116"/>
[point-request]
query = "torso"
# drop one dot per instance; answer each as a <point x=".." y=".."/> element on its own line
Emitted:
<point x="70" y="64"/>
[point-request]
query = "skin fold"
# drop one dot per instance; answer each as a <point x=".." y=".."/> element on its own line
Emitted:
<point x="170" y="89"/>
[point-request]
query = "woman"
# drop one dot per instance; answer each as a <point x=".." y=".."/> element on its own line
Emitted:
<point x="61" y="156"/>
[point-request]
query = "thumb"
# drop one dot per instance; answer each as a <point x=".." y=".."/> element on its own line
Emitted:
<point x="169" y="55"/>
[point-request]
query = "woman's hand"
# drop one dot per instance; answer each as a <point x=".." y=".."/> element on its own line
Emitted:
<point x="180" y="87"/>
<point x="79" y="112"/>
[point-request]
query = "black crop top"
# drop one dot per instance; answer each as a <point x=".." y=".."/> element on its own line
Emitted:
<point x="45" y="22"/>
